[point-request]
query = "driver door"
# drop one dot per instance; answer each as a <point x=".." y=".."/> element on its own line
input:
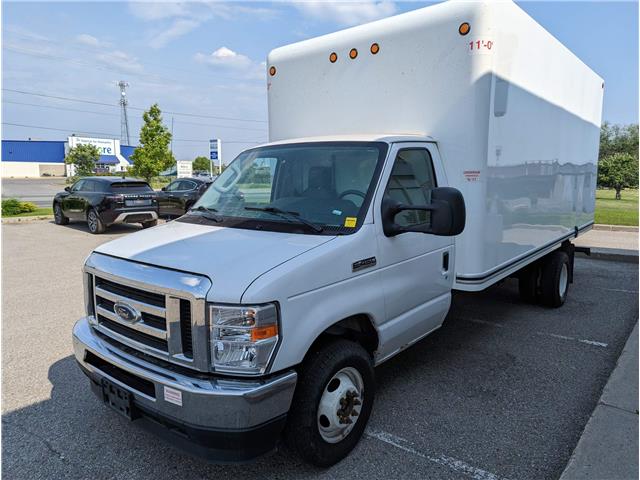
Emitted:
<point x="414" y="267"/>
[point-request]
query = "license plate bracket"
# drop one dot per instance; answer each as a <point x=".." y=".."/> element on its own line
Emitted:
<point x="118" y="399"/>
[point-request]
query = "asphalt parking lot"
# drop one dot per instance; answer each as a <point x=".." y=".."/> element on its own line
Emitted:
<point x="502" y="390"/>
<point x="36" y="190"/>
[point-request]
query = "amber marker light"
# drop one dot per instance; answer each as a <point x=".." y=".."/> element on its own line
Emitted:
<point x="262" y="333"/>
<point x="353" y="53"/>
<point x="333" y="58"/>
<point x="375" y="48"/>
<point x="272" y="71"/>
<point x="464" y="28"/>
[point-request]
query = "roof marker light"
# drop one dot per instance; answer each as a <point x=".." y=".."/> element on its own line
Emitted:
<point x="272" y="71"/>
<point x="353" y="53"/>
<point x="333" y="57"/>
<point x="375" y="48"/>
<point x="464" y="28"/>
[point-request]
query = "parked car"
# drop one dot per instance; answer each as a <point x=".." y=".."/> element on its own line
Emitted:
<point x="179" y="196"/>
<point x="105" y="201"/>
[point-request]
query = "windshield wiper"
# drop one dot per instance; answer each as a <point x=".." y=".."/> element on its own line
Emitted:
<point x="286" y="214"/>
<point x="208" y="213"/>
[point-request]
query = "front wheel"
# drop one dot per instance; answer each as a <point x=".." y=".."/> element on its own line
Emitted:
<point x="58" y="216"/>
<point x="332" y="403"/>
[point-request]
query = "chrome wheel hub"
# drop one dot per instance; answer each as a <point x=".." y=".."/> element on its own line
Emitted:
<point x="340" y="405"/>
<point x="564" y="280"/>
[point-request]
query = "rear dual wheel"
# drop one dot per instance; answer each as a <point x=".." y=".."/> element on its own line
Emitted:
<point x="332" y="402"/>
<point x="547" y="281"/>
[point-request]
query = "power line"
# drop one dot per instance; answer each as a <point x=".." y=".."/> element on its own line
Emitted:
<point x="180" y="122"/>
<point x="135" y="136"/>
<point x="93" y="102"/>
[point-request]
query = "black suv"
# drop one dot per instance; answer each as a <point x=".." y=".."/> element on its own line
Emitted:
<point x="103" y="201"/>
<point x="179" y="196"/>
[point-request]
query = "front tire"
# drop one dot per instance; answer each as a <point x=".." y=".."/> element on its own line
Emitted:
<point x="95" y="224"/>
<point x="332" y="403"/>
<point x="58" y="216"/>
<point x="554" y="280"/>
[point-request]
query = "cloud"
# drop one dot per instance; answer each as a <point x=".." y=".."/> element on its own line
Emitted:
<point x="120" y="60"/>
<point x="91" y="41"/>
<point x="174" y="20"/>
<point x="346" y="12"/>
<point x="177" y="29"/>
<point x="226" y="59"/>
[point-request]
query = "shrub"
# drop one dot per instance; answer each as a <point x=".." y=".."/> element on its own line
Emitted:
<point x="13" y="206"/>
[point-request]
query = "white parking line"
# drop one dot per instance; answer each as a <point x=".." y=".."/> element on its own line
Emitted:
<point x="573" y="339"/>
<point x="544" y="334"/>
<point x="618" y="290"/>
<point x="444" y="460"/>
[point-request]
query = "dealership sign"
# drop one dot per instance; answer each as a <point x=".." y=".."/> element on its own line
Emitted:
<point x="184" y="168"/>
<point x="106" y="146"/>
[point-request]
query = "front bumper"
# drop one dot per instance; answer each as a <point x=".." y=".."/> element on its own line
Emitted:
<point x="220" y="418"/>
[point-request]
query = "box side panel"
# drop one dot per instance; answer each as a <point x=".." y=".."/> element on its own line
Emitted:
<point x="544" y="122"/>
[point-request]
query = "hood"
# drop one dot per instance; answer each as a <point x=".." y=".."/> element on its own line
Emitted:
<point x="232" y="258"/>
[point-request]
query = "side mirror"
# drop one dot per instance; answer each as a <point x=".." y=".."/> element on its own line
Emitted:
<point x="164" y="189"/>
<point x="447" y="209"/>
<point x="67" y="189"/>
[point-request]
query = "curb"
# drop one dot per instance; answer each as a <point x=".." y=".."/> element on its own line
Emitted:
<point x="608" y="446"/>
<point x="32" y="219"/>
<point x="614" y="255"/>
<point x="615" y="228"/>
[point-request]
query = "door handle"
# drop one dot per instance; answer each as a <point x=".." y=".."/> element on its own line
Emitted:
<point x="445" y="263"/>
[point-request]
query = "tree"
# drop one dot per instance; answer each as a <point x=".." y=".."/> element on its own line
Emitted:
<point x="618" y="170"/>
<point x="618" y="159"/>
<point x="201" y="164"/>
<point x="84" y="158"/>
<point x="153" y="154"/>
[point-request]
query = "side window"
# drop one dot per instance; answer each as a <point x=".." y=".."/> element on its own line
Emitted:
<point x="173" y="186"/>
<point x="187" y="185"/>
<point x="79" y="186"/>
<point x="89" y="186"/>
<point x="410" y="183"/>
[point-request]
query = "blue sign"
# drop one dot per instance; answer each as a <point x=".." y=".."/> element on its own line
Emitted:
<point x="213" y="149"/>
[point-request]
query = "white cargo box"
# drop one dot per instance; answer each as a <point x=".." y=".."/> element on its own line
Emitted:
<point x="515" y="114"/>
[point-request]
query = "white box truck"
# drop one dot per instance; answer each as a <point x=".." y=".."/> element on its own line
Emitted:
<point x="445" y="148"/>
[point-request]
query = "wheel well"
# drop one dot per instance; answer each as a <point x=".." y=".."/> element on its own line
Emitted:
<point x="357" y="328"/>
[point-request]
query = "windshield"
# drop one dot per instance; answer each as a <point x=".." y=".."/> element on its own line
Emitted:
<point x="310" y="187"/>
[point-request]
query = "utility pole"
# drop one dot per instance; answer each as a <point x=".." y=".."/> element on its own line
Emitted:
<point x="171" y="147"/>
<point x="124" y="121"/>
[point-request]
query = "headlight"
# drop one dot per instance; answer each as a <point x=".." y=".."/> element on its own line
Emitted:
<point x="243" y="338"/>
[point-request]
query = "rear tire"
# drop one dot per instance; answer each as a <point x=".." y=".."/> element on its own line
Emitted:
<point x="554" y="280"/>
<point x="332" y="403"/>
<point x="149" y="224"/>
<point x="58" y="216"/>
<point x="95" y="224"/>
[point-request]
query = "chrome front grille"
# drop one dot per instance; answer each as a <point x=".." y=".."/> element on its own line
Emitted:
<point x="164" y="309"/>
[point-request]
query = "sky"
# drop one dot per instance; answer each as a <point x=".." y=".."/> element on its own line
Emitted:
<point x="203" y="62"/>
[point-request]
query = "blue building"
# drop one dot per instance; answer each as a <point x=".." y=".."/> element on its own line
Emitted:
<point x="37" y="158"/>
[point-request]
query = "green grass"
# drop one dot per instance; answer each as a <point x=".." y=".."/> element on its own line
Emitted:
<point x="35" y="213"/>
<point x="610" y="211"/>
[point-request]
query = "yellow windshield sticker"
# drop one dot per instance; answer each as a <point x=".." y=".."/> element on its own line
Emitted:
<point x="350" y="222"/>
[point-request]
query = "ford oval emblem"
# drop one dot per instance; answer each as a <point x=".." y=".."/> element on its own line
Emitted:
<point x="126" y="312"/>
